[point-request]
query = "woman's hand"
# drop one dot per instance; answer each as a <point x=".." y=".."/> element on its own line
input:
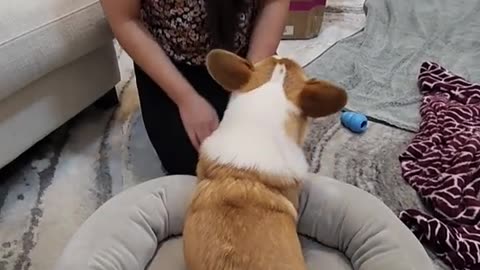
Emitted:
<point x="199" y="118"/>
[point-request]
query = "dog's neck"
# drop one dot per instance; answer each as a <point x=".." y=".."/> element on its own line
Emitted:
<point x="253" y="136"/>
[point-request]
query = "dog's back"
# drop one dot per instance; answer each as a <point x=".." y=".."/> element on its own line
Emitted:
<point x="236" y="223"/>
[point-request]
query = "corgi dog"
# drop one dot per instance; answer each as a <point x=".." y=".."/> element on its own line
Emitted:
<point x="243" y="214"/>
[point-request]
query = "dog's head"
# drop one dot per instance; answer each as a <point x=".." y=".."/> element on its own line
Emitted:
<point x="277" y="86"/>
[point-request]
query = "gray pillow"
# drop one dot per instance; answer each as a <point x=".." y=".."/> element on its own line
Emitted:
<point x="341" y="227"/>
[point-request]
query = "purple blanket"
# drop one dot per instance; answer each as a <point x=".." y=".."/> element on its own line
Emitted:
<point x="442" y="163"/>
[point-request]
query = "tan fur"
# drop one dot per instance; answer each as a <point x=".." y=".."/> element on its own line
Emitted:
<point x="240" y="220"/>
<point x="246" y="219"/>
<point x="208" y="169"/>
<point x="129" y="104"/>
<point x="296" y="126"/>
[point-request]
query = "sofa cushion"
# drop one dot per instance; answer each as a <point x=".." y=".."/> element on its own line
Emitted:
<point x="37" y="37"/>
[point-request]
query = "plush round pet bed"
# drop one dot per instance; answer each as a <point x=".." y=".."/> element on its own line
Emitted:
<point x="341" y="227"/>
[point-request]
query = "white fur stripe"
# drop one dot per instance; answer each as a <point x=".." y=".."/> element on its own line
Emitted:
<point x="252" y="134"/>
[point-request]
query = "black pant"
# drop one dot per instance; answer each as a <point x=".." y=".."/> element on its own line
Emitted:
<point x="162" y="118"/>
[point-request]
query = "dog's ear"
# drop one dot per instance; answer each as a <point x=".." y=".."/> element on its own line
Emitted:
<point x="321" y="98"/>
<point x="229" y="70"/>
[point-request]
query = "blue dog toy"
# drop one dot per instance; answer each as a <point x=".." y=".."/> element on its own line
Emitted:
<point x="355" y="122"/>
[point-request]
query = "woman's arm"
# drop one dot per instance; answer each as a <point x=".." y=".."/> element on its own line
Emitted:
<point x="198" y="117"/>
<point x="268" y="29"/>
<point x="124" y="19"/>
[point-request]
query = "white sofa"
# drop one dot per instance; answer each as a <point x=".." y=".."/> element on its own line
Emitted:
<point x="56" y="58"/>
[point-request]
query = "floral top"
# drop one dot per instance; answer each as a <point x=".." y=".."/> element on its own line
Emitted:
<point x="180" y="28"/>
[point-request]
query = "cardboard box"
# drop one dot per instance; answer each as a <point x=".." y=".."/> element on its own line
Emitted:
<point x="304" y="19"/>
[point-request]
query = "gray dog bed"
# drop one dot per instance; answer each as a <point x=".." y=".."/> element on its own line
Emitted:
<point x="341" y="228"/>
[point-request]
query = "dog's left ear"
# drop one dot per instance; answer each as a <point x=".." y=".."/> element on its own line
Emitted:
<point x="229" y="70"/>
<point x="321" y="98"/>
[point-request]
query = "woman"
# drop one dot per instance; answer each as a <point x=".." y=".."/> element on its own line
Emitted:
<point x="168" y="40"/>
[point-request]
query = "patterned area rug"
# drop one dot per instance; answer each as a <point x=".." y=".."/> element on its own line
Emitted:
<point x="51" y="189"/>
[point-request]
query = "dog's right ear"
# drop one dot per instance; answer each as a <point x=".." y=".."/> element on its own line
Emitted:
<point x="229" y="70"/>
<point x="321" y="98"/>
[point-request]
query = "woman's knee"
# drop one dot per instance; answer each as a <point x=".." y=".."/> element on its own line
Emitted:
<point x="179" y="163"/>
<point x="173" y="148"/>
